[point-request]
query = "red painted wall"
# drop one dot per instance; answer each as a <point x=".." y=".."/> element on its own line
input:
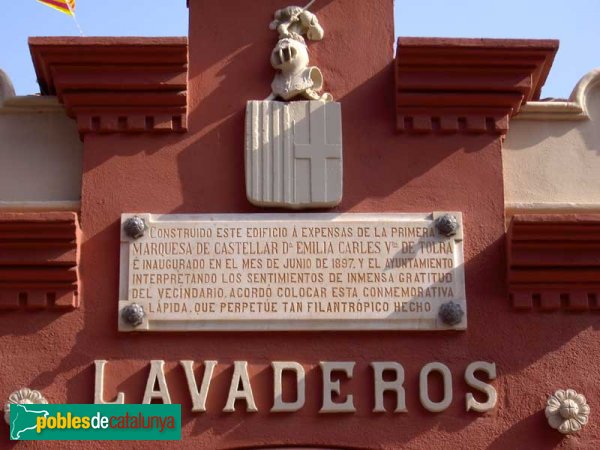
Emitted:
<point x="201" y="171"/>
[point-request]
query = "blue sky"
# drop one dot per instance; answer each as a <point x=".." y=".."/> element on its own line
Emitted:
<point x="574" y="22"/>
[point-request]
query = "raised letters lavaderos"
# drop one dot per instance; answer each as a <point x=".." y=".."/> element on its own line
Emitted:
<point x="292" y="272"/>
<point x="241" y="389"/>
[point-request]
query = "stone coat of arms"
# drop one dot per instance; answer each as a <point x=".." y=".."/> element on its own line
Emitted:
<point x="293" y="154"/>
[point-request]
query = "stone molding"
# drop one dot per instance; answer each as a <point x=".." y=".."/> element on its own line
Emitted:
<point x="28" y="104"/>
<point x="6" y="88"/>
<point x="512" y="209"/>
<point x="575" y="108"/>
<point x="554" y="262"/>
<point x="40" y="206"/>
<point x="116" y="85"/>
<point x="39" y="256"/>
<point x="467" y="85"/>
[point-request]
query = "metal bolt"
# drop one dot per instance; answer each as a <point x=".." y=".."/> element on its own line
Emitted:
<point x="451" y="313"/>
<point x="134" y="227"/>
<point x="447" y="225"/>
<point x="133" y="314"/>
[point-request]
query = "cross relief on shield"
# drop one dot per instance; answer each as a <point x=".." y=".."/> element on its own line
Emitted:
<point x="293" y="154"/>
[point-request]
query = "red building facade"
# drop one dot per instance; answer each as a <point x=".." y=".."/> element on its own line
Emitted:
<point x="162" y="126"/>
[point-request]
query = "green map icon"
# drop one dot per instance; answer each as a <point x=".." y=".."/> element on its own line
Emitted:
<point x="23" y="419"/>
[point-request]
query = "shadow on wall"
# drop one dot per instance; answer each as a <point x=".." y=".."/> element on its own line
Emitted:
<point x="521" y="430"/>
<point x="296" y="448"/>
<point x="381" y="160"/>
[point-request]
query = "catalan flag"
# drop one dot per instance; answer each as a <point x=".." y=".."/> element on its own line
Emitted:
<point x="64" y="6"/>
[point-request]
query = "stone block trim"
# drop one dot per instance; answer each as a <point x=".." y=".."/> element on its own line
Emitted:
<point x="39" y="255"/>
<point x="116" y="85"/>
<point x="467" y="85"/>
<point x="554" y="262"/>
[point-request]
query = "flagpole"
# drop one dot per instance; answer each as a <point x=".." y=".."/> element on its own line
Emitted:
<point x="309" y="5"/>
<point x="74" y="18"/>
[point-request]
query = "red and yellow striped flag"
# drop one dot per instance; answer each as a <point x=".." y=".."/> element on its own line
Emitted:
<point x="64" y="6"/>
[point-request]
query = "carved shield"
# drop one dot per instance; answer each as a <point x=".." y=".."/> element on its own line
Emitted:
<point x="293" y="154"/>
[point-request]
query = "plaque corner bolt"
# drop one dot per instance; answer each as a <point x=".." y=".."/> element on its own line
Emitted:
<point x="135" y="227"/>
<point x="133" y="314"/>
<point x="451" y="313"/>
<point x="447" y="225"/>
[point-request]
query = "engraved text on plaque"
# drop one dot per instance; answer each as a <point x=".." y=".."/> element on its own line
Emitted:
<point x="291" y="272"/>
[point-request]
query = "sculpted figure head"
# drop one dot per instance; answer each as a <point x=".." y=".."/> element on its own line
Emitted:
<point x="289" y="55"/>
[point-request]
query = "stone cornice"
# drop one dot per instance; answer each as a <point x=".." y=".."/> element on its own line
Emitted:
<point x="39" y="257"/>
<point x="116" y="85"/>
<point x="554" y="262"/>
<point x="467" y="85"/>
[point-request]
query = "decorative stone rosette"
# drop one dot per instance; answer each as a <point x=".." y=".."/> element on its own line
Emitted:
<point x="567" y="411"/>
<point x="24" y="396"/>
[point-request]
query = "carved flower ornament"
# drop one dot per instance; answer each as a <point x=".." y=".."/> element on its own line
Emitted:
<point x="24" y="396"/>
<point x="567" y="411"/>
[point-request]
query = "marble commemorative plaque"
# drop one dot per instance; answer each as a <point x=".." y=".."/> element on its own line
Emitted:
<point x="292" y="272"/>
